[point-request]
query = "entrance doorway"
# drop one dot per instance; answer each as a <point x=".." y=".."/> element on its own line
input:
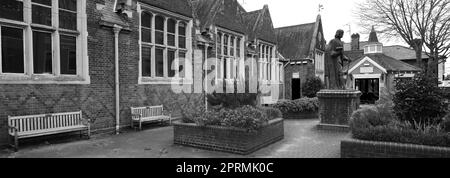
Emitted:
<point x="370" y="89"/>
<point x="296" y="89"/>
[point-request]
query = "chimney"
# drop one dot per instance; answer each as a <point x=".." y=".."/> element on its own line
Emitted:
<point x="355" y="42"/>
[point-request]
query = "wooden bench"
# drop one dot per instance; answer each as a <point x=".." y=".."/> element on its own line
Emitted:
<point x="149" y="114"/>
<point x="46" y="124"/>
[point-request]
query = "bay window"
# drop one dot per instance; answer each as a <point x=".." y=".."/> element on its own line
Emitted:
<point x="164" y="46"/>
<point x="43" y="41"/>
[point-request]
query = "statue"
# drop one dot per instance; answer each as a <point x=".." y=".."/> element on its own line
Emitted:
<point x="335" y="60"/>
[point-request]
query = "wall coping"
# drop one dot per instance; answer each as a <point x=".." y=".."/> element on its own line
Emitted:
<point x="338" y="93"/>
<point x="180" y="123"/>
<point x="396" y="144"/>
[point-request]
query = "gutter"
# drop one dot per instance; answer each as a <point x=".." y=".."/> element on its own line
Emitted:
<point x="117" y="29"/>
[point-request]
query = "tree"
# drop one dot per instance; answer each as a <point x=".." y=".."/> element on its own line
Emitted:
<point x="422" y="24"/>
<point x="312" y="86"/>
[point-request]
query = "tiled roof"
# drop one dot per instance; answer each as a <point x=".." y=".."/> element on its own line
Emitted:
<point x="176" y="6"/>
<point x="222" y="13"/>
<point x="389" y="63"/>
<point x="259" y="25"/>
<point x="401" y="52"/>
<point x="295" y="41"/>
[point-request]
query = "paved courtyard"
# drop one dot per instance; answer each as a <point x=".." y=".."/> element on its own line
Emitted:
<point x="302" y="140"/>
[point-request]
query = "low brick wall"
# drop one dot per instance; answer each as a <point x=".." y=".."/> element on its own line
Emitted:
<point x="307" y="115"/>
<point x="238" y="141"/>
<point x="371" y="149"/>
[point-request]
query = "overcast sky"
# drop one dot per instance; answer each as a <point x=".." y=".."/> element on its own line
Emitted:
<point x="337" y="14"/>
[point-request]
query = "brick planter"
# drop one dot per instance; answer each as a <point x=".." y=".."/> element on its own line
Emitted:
<point x="372" y="149"/>
<point x="307" y="115"/>
<point x="238" y="141"/>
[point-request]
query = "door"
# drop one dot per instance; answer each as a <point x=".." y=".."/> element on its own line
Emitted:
<point x="296" y="89"/>
<point x="370" y="89"/>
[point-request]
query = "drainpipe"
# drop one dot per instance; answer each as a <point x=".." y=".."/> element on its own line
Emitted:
<point x="117" y="30"/>
<point x="206" y="76"/>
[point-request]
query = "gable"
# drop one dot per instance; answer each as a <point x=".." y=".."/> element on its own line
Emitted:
<point x="295" y="41"/>
<point x="367" y="66"/>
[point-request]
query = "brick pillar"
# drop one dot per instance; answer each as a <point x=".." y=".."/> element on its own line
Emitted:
<point x="336" y="107"/>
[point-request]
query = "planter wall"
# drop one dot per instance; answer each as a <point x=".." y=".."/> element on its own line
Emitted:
<point x="371" y="149"/>
<point x="307" y="115"/>
<point x="238" y="141"/>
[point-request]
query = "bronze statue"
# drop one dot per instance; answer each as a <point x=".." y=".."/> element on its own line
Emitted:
<point x="335" y="60"/>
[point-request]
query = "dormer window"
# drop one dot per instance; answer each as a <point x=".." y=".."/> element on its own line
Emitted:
<point x="373" y="48"/>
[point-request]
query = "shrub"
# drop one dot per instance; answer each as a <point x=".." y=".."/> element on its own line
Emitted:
<point x="272" y="113"/>
<point x="446" y="123"/>
<point x="298" y="106"/>
<point x="191" y="112"/>
<point x="378" y="123"/>
<point x="232" y="100"/>
<point x="312" y="86"/>
<point x="419" y="100"/>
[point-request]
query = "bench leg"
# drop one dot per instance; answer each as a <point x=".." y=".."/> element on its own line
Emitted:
<point x="89" y="132"/>
<point x="140" y="125"/>
<point x="16" y="142"/>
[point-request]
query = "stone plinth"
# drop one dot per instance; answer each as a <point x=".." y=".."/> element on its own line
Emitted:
<point x="336" y="107"/>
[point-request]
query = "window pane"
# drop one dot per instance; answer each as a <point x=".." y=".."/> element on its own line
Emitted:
<point x="159" y="37"/>
<point x="68" y="5"/>
<point x="182" y="42"/>
<point x="171" y="26"/>
<point x="146" y="20"/>
<point x="12" y="50"/>
<point x="42" y="53"/>
<point x="225" y="68"/>
<point x="159" y="62"/>
<point x="146" y="35"/>
<point x="182" y="29"/>
<point x="182" y="63"/>
<point x="171" y="40"/>
<point x="44" y="2"/>
<point x="170" y="60"/>
<point x="159" y="23"/>
<point x="146" y="62"/>
<point x="67" y="20"/>
<point x="11" y="9"/>
<point x="68" y="54"/>
<point x="42" y="15"/>
<point x="238" y="47"/>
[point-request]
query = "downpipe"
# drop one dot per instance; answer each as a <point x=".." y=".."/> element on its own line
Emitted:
<point x="117" y="30"/>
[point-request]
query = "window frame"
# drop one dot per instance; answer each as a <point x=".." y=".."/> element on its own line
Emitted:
<point x="187" y="51"/>
<point x="230" y="66"/>
<point x="266" y="52"/>
<point x="82" y="60"/>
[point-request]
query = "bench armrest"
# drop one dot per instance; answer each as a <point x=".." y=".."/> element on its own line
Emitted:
<point x="13" y="129"/>
<point x="136" y="116"/>
<point x="86" y="121"/>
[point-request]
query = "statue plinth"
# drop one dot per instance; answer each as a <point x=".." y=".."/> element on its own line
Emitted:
<point x="336" y="108"/>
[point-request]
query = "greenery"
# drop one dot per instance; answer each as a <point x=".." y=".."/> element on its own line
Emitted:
<point x="378" y="123"/>
<point x="298" y="106"/>
<point x="246" y="117"/>
<point x="232" y="100"/>
<point x="419" y="100"/>
<point x="312" y="86"/>
<point x="272" y="113"/>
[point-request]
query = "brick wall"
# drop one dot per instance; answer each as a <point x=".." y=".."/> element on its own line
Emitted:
<point x="370" y="149"/>
<point x="96" y="100"/>
<point x="237" y="141"/>
<point x="306" y="71"/>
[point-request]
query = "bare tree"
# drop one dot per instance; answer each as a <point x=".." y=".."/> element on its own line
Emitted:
<point x="422" y="24"/>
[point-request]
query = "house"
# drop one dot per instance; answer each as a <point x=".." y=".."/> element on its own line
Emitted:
<point x="398" y="52"/>
<point x="304" y="47"/>
<point x="104" y="56"/>
<point x="373" y="70"/>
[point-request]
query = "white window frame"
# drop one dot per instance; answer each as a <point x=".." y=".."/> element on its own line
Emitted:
<point x="28" y="77"/>
<point x="267" y="61"/>
<point x="235" y="63"/>
<point x="188" y="75"/>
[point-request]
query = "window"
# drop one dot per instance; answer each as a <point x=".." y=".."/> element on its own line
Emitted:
<point x="42" y="12"/>
<point x="68" y="14"/>
<point x="11" y="9"/>
<point x="165" y="56"/>
<point x="54" y="35"/>
<point x="228" y="50"/>
<point x="68" y="55"/>
<point x="266" y="58"/>
<point x="12" y="54"/>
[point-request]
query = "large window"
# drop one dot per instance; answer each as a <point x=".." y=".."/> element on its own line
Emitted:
<point x="267" y="62"/>
<point x="42" y="37"/>
<point x="228" y="53"/>
<point x="164" y="49"/>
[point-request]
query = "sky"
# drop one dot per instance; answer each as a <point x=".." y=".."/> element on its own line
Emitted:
<point x="337" y="14"/>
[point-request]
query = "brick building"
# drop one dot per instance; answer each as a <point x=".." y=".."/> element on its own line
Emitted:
<point x="303" y="46"/>
<point x="104" y="56"/>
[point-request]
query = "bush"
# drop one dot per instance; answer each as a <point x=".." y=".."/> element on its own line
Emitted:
<point x="419" y="100"/>
<point x="312" y="86"/>
<point x="378" y="123"/>
<point x="298" y="106"/>
<point x="191" y="112"/>
<point x="446" y="123"/>
<point x="272" y="113"/>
